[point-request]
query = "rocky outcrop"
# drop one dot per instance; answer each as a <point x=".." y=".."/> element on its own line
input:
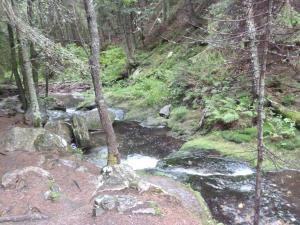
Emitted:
<point x="49" y="142"/>
<point x="32" y="139"/>
<point x="92" y="120"/>
<point x="81" y="132"/>
<point x="60" y="128"/>
<point x="20" y="139"/>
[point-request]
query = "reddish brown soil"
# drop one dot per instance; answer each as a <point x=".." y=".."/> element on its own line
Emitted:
<point x="74" y="207"/>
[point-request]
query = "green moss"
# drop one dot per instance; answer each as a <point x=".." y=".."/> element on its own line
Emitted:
<point x="113" y="61"/>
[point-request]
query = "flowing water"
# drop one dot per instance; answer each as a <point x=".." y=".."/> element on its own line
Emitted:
<point x="227" y="185"/>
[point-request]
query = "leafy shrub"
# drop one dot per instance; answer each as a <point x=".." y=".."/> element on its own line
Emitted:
<point x="289" y="144"/>
<point x="277" y="127"/>
<point x="227" y="110"/>
<point x="288" y="100"/>
<point x="178" y="113"/>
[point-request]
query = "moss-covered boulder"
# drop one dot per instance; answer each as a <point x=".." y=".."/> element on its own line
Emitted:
<point x="60" y="128"/>
<point x="81" y="132"/>
<point x="49" y="142"/>
<point x="20" y="139"/>
<point x="92" y="120"/>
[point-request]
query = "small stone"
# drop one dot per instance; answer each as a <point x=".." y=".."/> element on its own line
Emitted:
<point x="241" y="205"/>
<point x="165" y="111"/>
<point x="82" y="169"/>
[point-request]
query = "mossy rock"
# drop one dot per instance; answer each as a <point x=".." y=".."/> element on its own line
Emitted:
<point x="51" y="142"/>
<point x="81" y="132"/>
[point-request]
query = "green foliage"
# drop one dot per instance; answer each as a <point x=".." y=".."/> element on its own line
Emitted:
<point x="240" y="136"/>
<point x="178" y="113"/>
<point x="278" y="128"/>
<point x="72" y="73"/>
<point x="289" y="144"/>
<point x="288" y="16"/>
<point x="288" y="100"/>
<point x="113" y="61"/>
<point x="227" y="110"/>
<point x="149" y="91"/>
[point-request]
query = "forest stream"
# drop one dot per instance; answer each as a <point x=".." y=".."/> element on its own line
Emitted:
<point x="227" y="185"/>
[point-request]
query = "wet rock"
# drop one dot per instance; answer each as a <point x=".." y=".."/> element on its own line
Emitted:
<point x="50" y="142"/>
<point x="92" y="120"/>
<point x="60" y="128"/>
<point x="68" y="100"/>
<point x="18" y="138"/>
<point x="80" y="131"/>
<point x="165" y="111"/>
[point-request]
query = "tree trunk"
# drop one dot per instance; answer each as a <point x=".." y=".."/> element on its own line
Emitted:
<point x="261" y="116"/>
<point x="113" y="153"/>
<point x="14" y="66"/>
<point x="123" y="21"/>
<point x="33" y="53"/>
<point x="166" y="9"/>
<point x="34" y="106"/>
<point x="253" y="48"/>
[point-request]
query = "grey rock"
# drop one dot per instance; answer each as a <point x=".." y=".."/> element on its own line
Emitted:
<point x="19" y="138"/>
<point x="92" y="120"/>
<point x="98" y="211"/>
<point x="50" y="142"/>
<point x="165" y="111"/>
<point x="117" y="177"/>
<point x="126" y="202"/>
<point x="60" y="128"/>
<point x="106" y="202"/>
<point x="149" y="211"/>
<point x="80" y="131"/>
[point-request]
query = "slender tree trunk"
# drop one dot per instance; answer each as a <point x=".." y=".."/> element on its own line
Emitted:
<point x="14" y="66"/>
<point x="33" y="53"/>
<point x="34" y="106"/>
<point x="166" y="9"/>
<point x="253" y="48"/>
<point x="261" y="117"/>
<point x="123" y="21"/>
<point x="113" y="153"/>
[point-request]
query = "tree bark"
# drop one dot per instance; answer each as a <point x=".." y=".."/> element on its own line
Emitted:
<point x="14" y="66"/>
<point x="33" y="53"/>
<point x="253" y="48"/>
<point x="113" y="153"/>
<point x="166" y="9"/>
<point x="261" y="117"/>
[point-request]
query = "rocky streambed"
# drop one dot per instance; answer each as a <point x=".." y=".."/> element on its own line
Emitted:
<point x="227" y="185"/>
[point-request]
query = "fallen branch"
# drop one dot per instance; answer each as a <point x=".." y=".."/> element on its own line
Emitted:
<point x="21" y="218"/>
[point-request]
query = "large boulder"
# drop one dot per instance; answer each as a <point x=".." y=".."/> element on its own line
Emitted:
<point x="81" y="132"/>
<point x="49" y="142"/>
<point x="92" y="120"/>
<point x="60" y="128"/>
<point x="20" y="139"/>
<point x="32" y="139"/>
